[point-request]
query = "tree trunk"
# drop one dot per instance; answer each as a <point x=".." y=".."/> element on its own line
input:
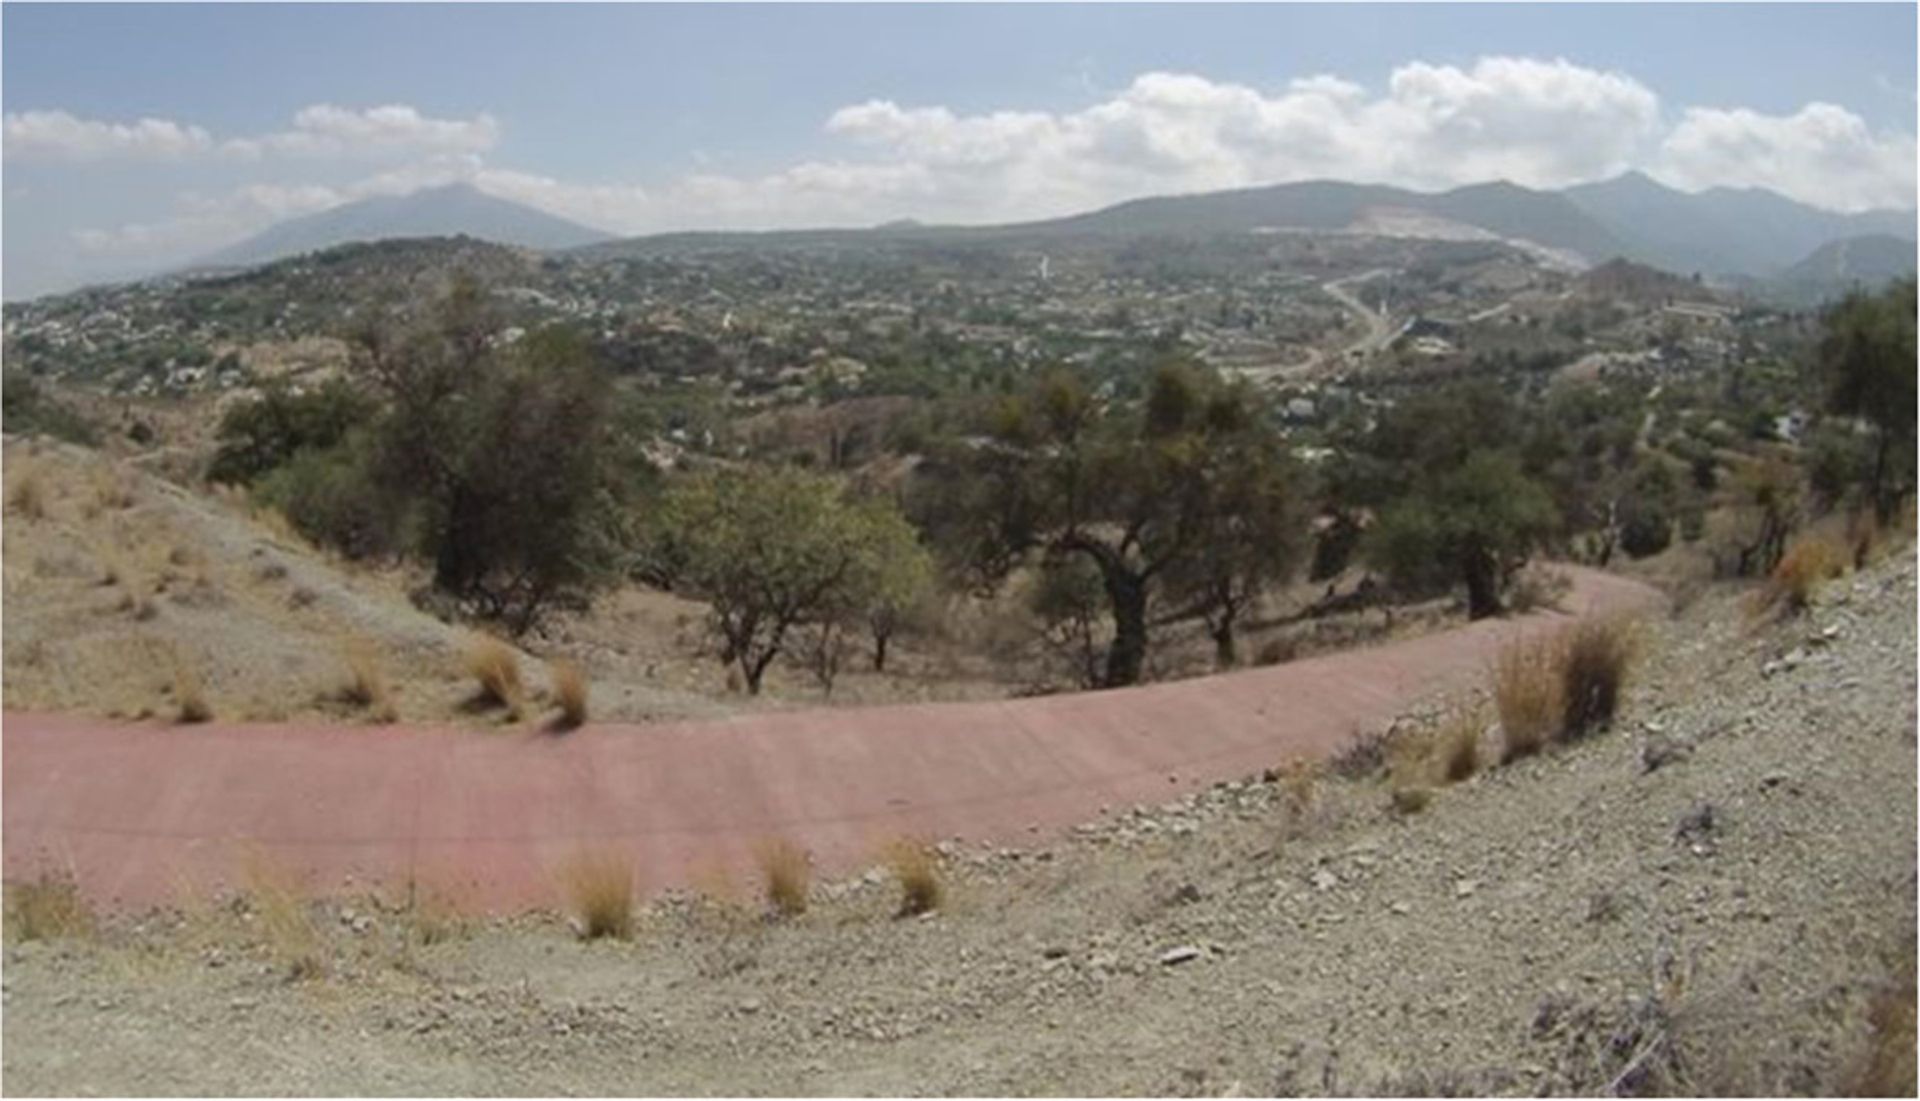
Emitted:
<point x="1483" y="585"/>
<point x="880" y="651"/>
<point x="1882" y="507"/>
<point x="1128" y="594"/>
<point x="1226" y="653"/>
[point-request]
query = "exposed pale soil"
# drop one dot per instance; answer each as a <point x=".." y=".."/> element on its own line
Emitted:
<point x="1702" y="899"/>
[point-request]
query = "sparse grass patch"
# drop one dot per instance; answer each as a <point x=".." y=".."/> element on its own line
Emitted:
<point x="570" y="692"/>
<point x="786" y="876"/>
<point x="1527" y="692"/>
<point x="1886" y="1066"/>
<point x="496" y="668"/>
<point x="28" y="497"/>
<point x="599" y="890"/>
<point x="1596" y="658"/>
<point x="1411" y="800"/>
<point x="1456" y="746"/>
<point x="917" y="869"/>
<point x="1810" y="561"/>
<point x="189" y="694"/>
<point x="47" y="908"/>
<point x="365" y="685"/>
<point x="285" y="915"/>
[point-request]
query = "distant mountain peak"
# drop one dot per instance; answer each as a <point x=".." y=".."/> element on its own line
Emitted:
<point x="445" y="210"/>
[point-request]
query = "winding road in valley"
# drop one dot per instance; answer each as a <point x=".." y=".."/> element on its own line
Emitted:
<point x="146" y="814"/>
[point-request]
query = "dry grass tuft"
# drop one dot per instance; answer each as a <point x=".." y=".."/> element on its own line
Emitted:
<point x="1411" y="800"/>
<point x="915" y="865"/>
<point x="570" y="692"/>
<point x="786" y="876"/>
<point x="1528" y="692"/>
<point x="1456" y="746"/>
<point x="47" y="908"/>
<point x="365" y="685"/>
<point x="1886" y="1068"/>
<point x="28" y="497"/>
<point x="1596" y="658"/>
<point x="189" y="694"/>
<point x="599" y="889"/>
<point x="497" y="669"/>
<point x="285" y="915"/>
<point x="1810" y="561"/>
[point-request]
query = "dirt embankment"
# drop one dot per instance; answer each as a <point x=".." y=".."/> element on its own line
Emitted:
<point x="1706" y="898"/>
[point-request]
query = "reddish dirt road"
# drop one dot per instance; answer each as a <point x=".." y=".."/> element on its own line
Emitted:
<point x="141" y="813"/>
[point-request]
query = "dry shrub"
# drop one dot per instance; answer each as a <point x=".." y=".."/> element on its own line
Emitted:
<point x="785" y="875"/>
<point x="1810" y="560"/>
<point x="570" y="692"/>
<point x="365" y="685"/>
<point x="1527" y="691"/>
<point x="1277" y="651"/>
<point x="110" y="489"/>
<point x="1886" y="1067"/>
<point x="1538" y="587"/>
<point x="1411" y="800"/>
<point x="48" y="908"/>
<point x="285" y="914"/>
<point x="599" y="889"/>
<point x="916" y="867"/>
<point x="1596" y="657"/>
<point x="494" y="665"/>
<point x="28" y="497"/>
<point x="189" y="694"/>
<point x="1456" y="746"/>
<point x="1299" y="782"/>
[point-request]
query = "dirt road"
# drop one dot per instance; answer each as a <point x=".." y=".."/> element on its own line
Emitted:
<point x="141" y="812"/>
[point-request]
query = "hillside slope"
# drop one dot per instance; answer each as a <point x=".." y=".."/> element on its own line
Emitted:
<point x="1707" y="899"/>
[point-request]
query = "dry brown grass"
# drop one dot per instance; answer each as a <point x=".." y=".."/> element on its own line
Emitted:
<point x="496" y="668"/>
<point x="599" y="890"/>
<point x="47" y="908"/>
<point x="1597" y="656"/>
<point x="365" y="685"/>
<point x="1456" y="746"/>
<point x="917" y="869"/>
<point x="285" y="915"/>
<point x="1411" y="800"/>
<point x="28" y="497"/>
<point x="786" y="875"/>
<point x="1886" y="1067"/>
<point x="1528" y="692"/>
<point x="189" y="694"/>
<point x="1810" y="561"/>
<point x="570" y="692"/>
<point x="1299" y="796"/>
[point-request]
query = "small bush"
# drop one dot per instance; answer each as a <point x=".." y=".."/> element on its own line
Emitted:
<point x="47" y="908"/>
<point x="1527" y="690"/>
<point x="599" y="888"/>
<point x="916" y="868"/>
<point x="1809" y="561"/>
<point x="494" y="665"/>
<point x="189" y="695"/>
<point x="1596" y="657"/>
<point x="786" y="876"/>
<point x="366" y="686"/>
<point x="570" y="692"/>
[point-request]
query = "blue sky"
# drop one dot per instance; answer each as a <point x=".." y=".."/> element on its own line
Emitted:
<point x="637" y="119"/>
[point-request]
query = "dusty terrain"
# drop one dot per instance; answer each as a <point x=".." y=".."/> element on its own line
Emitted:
<point x="1706" y="898"/>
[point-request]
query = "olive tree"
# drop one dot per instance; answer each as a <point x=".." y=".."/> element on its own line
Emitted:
<point x="1866" y="356"/>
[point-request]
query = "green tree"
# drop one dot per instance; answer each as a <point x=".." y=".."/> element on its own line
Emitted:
<point x="1476" y="523"/>
<point x="1135" y="490"/>
<point x="1866" y="356"/>
<point x="258" y="435"/>
<point x="773" y="552"/>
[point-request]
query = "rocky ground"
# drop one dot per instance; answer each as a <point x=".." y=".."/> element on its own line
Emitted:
<point x="1705" y="899"/>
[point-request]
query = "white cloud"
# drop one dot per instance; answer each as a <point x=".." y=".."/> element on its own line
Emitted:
<point x="320" y="131"/>
<point x="324" y="130"/>
<point x="1822" y="154"/>
<point x="58" y="135"/>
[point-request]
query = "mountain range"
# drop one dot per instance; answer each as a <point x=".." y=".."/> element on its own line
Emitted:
<point x="1748" y="237"/>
